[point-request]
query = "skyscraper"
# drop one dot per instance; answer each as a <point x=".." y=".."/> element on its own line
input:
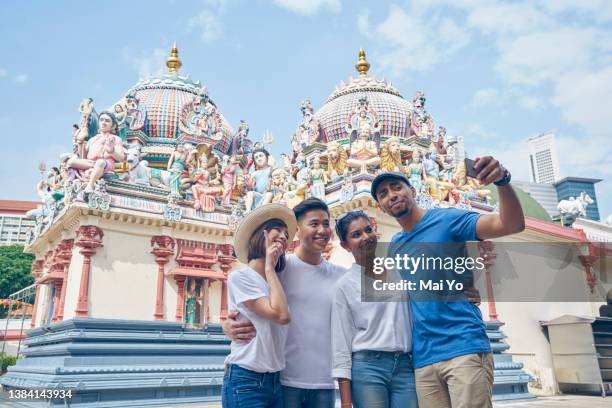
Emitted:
<point x="543" y="160"/>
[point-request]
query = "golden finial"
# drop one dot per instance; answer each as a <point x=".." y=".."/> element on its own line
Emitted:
<point x="173" y="62"/>
<point x="362" y="65"/>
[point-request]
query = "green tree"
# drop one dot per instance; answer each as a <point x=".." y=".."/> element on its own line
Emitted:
<point x="14" y="269"/>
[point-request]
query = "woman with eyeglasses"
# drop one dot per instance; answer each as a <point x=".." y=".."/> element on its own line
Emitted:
<point x="372" y="340"/>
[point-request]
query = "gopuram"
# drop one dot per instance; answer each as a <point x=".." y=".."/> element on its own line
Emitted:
<point x="133" y="237"/>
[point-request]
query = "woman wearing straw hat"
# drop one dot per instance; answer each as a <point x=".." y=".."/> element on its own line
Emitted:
<point x="252" y="377"/>
<point x="372" y="342"/>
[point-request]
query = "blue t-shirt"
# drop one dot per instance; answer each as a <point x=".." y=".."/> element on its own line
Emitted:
<point x="442" y="330"/>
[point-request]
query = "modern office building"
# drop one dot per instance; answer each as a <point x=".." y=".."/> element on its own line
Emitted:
<point x="543" y="159"/>
<point x="573" y="186"/>
<point x="14" y="225"/>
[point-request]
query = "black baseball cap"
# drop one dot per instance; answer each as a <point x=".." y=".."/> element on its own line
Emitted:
<point x="391" y="175"/>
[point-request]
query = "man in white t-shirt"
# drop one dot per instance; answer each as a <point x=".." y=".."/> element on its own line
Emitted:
<point x="308" y="281"/>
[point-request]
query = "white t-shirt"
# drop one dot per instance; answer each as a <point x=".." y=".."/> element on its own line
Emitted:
<point x="309" y="290"/>
<point x="383" y="325"/>
<point x="266" y="352"/>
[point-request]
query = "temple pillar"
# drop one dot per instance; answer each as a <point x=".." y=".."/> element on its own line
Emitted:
<point x="56" y="298"/>
<point x="225" y="260"/>
<point x="486" y="252"/>
<point x="163" y="248"/>
<point x="588" y="261"/>
<point x="89" y="239"/>
<point x="37" y="267"/>
<point x="64" y="257"/>
<point x="180" y="299"/>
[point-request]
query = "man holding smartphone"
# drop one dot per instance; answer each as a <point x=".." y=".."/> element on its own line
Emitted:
<point x="451" y="350"/>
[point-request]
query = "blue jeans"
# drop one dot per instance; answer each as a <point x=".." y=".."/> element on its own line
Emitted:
<point x="305" y="398"/>
<point x="382" y="379"/>
<point x="246" y="388"/>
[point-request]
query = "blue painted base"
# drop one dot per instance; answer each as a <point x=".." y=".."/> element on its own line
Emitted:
<point x="510" y="381"/>
<point x="122" y="363"/>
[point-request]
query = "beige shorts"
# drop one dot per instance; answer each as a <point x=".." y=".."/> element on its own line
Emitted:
<point x="462" y="382"/>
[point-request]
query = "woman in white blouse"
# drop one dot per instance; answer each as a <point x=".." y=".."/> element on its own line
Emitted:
<point x="252" y="376"/>
<point x="371" y="340"/>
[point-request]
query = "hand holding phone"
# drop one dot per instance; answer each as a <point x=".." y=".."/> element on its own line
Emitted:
<point x="470" y="171"/>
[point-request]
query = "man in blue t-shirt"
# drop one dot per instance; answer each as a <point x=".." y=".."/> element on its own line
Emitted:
<point x="451" y="351"/>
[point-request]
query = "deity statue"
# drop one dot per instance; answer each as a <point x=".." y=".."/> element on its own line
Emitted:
<point x="364" y="131"/>
<point x="466" y="187"/>
<point x="121" y="116"/>
<point x="88" y="124"/>
<point x="229" y="169"/>
<point x="438" y="188"/>
<point x="348" y="189"/>
<point x="241" y="144"/>
<point x="308" y="130"/>
<point x="258" y="182"/>
<point x="317" y="178"/>
<point x="279" y="188"/>
<point x="421" y="122"/>
<point x="193" y="303"/>
<point x="205" y="158"/>
<point x="302" y="172"/>
<point x="390" y="155"/>
<point x="336" y="161"/>
<point x="99" y="154"/>
<point x="203" y="193"/>
<point x="440" y="141"/>
<point x="416" y="171"/>
<point x="200" y="118"/>
<point x="177" y="164"/>
<point x="136" y="115"/>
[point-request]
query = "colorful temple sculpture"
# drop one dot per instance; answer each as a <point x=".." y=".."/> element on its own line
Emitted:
<point x="135" y="228"/>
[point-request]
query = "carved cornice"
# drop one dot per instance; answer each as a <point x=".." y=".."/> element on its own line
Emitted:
<point x="89" y="238"/>
<point x="193" y="254"/>
<point x="163" y="247"/>
<point x="227" y="258"/>
<point x="37" y="268"/>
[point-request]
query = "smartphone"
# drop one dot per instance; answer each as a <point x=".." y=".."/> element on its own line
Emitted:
<point x="470" y="171"/>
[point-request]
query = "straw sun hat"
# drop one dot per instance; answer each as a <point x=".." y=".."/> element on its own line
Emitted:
<point x="254" y="220"/>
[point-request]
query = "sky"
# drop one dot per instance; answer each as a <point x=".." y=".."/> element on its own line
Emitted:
<point x="495" y="72"/>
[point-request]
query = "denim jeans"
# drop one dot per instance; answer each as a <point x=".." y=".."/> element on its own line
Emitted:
<point x="306" y="398"/>
<point x="246" y="388"/>
<point x="382" y="379"/>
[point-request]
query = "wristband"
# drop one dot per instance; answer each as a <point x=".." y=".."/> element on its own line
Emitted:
<point x="504" y="180"/>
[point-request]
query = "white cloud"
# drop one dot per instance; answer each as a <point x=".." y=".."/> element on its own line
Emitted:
<point x="413" y="43"/>
<point x="208" y="20"/>
<point x="21" y="78"/>
<point x="485" y="97"/>
<point x="309" y="7"/>
<point x="363" y="22"/>
<point x="147" y="64"/>
<point x="530" y="102"/>
<point x="2" y="72"/>
<point x="585" y="99"/>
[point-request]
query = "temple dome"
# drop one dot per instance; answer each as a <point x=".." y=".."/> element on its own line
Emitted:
<point x="163" y="98"/>
<point x="392" y="109"/>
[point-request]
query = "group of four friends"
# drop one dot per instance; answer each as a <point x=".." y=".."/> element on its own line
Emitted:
<point x="298" y="323"/>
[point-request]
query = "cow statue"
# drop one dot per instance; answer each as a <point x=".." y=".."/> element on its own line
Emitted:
<point x="139" y="171"/>
<point x="574" y="207"/>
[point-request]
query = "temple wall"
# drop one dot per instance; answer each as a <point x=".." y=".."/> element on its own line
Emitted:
<point x="123" y="278"/>
<point x="72" y="286"/>
<point x="43" y="304"/>
<point x="214" y="301"/>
